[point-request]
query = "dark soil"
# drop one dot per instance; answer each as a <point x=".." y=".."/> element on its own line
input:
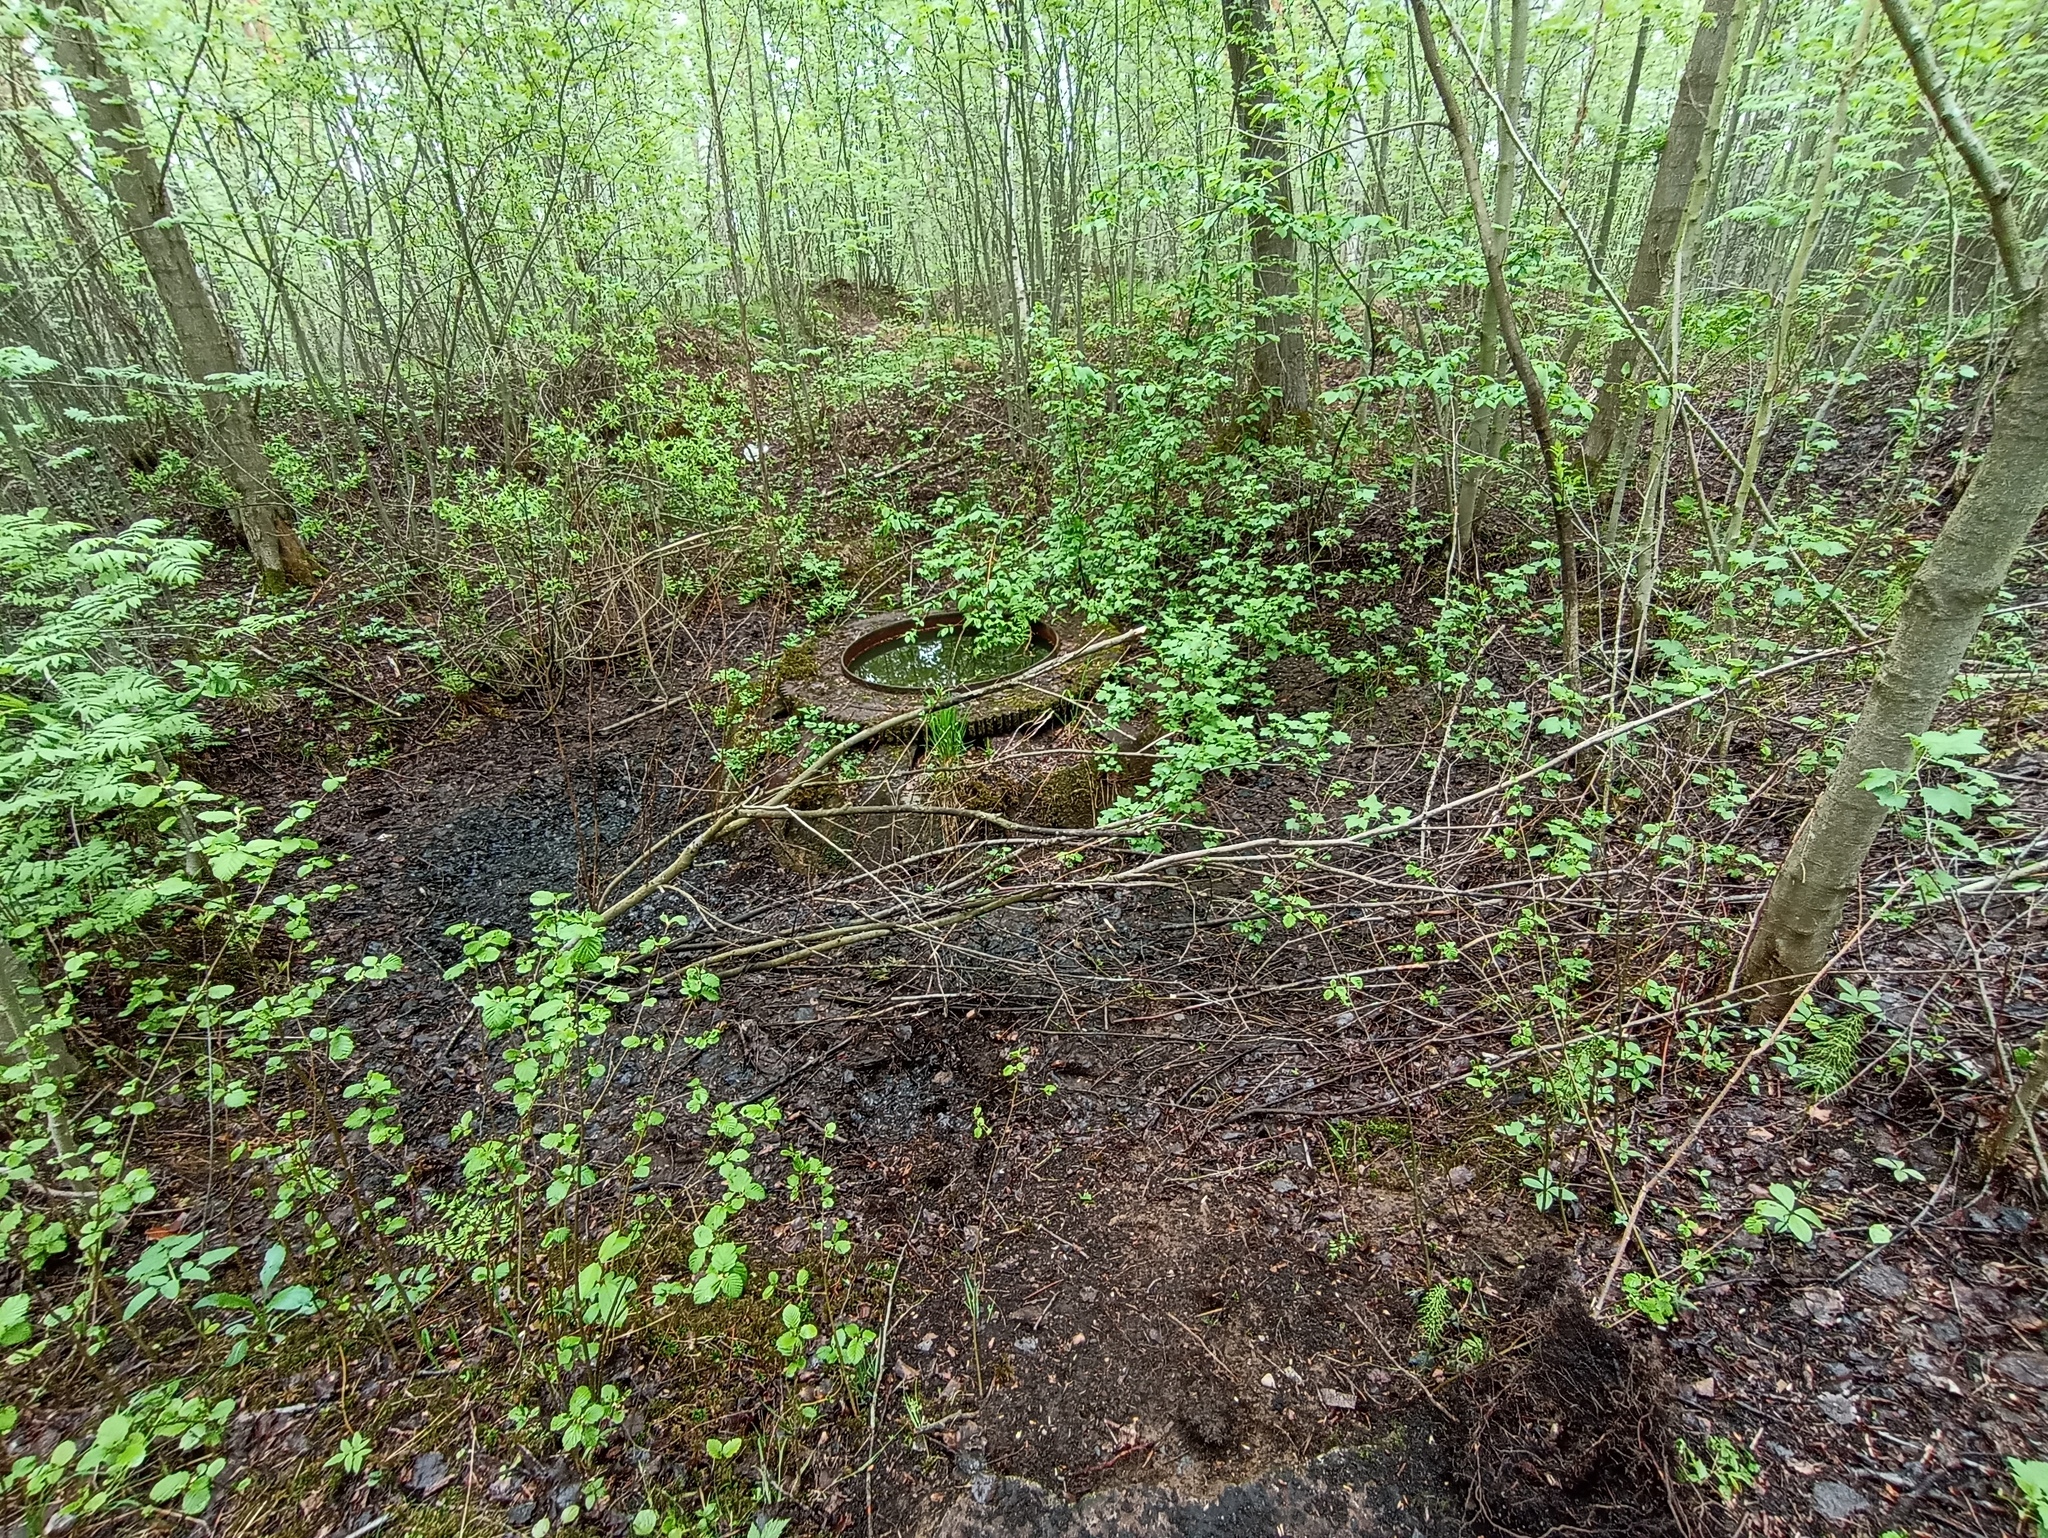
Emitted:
<point x="1137" y="1277"/>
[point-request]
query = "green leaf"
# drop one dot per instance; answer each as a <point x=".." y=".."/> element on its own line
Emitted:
<point x="20" y="362"/>
<point x="169" y="1486"/>
<point x="1947" y="800"/>
<point x="296" y="1299"/>
<point x="1947" y="747"/>
<point x="1888" y="786"/>
<point x="2031" y="1476"/>
<point x="227" y="864"/>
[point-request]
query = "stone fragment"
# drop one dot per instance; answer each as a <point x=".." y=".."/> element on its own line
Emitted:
<point x="1883" y="1281"/>
<point x="1839" y="1408"/>
<point x="2029" y="1369"/>
<point x="429" y="1473"/>
<point x="1836" y="1501"/>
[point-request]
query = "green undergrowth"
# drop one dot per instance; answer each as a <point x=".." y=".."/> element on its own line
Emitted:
<point x="220" y="1197"/>
<point x="607" y="1271"/>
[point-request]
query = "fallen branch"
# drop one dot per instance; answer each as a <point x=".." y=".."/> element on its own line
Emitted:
<point x="826" y="941"/>
<point x="1775" y="1035"/>
<point x="666" y="702"/>
<point x="726" y="821"/>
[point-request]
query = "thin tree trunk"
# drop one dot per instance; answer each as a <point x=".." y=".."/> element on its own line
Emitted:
<point x="1720" y="155"/>
<point x="1280" y="359"/>
<point x="1992" y="185"/>
<point x="1679" y="169"/>
<point x="1013" y="172"/>
<point x="1612" y="199"/>
<point x="1958" y="579"/>
<point x="206" y="346"/>
<point x="2026" y="1099"/>
<point x="1492" y="248"/>
<point x="735" y="265"/>
<point x="1621" y="144"/>
<point x="1486" y="430"/>
<point x="101" y="284"/>
<point x="25" y="1039"/>
<point x="1795" y="277"/>
<point x="765" y="194"/>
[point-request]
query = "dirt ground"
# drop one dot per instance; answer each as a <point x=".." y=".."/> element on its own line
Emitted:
<point x="1144" y="1273"/>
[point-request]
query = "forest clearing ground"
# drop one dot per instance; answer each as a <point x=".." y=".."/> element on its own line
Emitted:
<point x="1490" y="981"/>
<point x="1182" y="1246"/>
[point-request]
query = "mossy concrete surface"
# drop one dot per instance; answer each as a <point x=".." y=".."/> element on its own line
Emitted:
<point x="820" y="681"/>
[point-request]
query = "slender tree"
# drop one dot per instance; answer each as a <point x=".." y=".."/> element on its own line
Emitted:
<point x="1957" y="581"/>
<point x="1280" y="360"/>
<point x="1493" y="248"/>
<point x="1487" y="429"/>
<point x="1610" y="202"/>
<point x="1681" y="165"/>
<point x="206" y="346"/>
<point x="1802" y="253"/>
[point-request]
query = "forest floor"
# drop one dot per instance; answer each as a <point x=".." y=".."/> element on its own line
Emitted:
<point x="1157" y="1232"/>
<point x="1179" y="1259"/>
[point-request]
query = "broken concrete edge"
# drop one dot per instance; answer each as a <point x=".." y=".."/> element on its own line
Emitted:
<point x="814" y="677"/>
<point x="1373" y="1491"/>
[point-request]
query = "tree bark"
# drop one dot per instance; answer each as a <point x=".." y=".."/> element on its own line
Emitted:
<point x="1612" y="199"/>
<point x="1959" y="578"/>
<point x="2019" y="1114"/>
<point x="1957" y="581"/>
<point x="1493" y="247"/>
<point x="25" y="1039"/>
<point x="1992" y="185"/>
<point x="1486" y="429"/>
<point x="206" y="347"/>
<point x="1280" y="360"/>
<point x="1679" y="169"/>
<point x="1795" y="277"/>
